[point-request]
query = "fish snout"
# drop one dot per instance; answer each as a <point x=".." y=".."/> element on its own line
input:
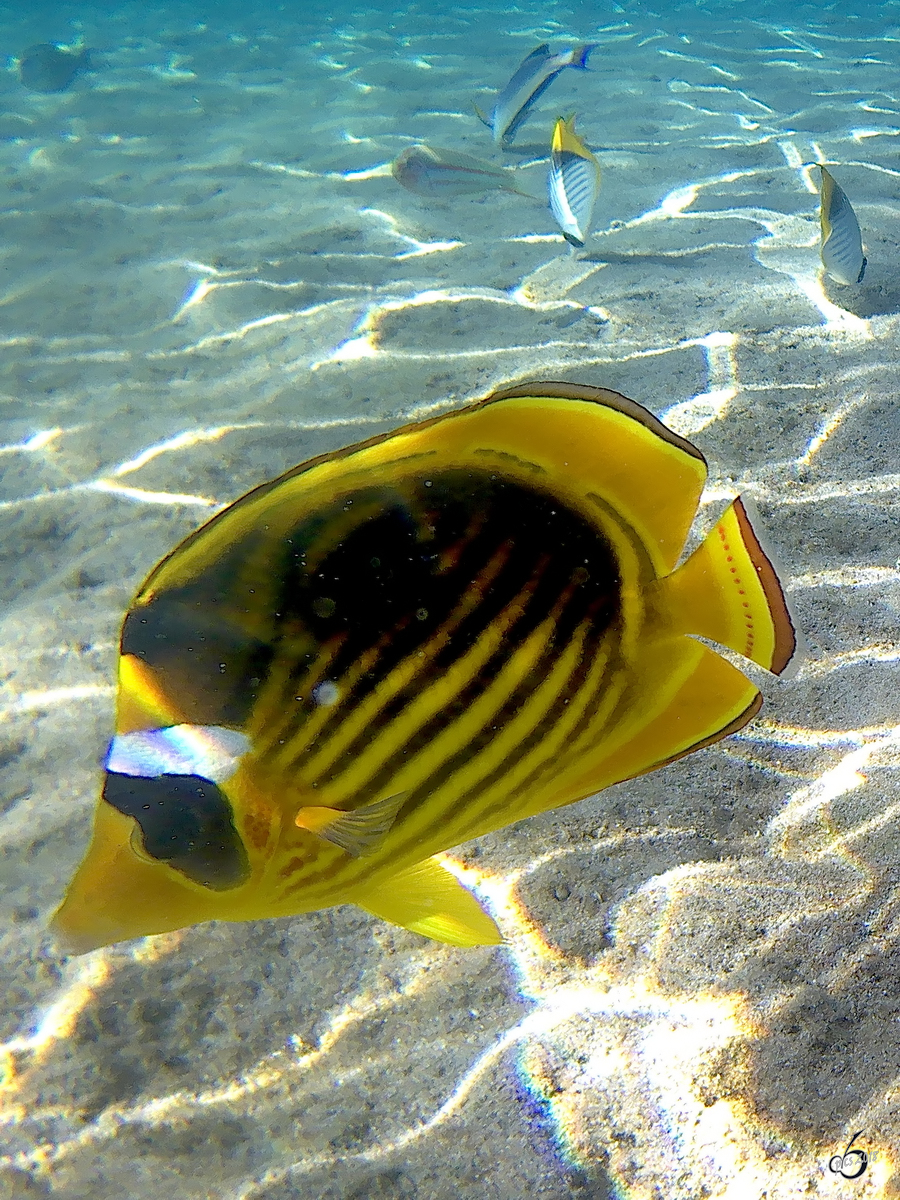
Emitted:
<point x="117" y="895"/>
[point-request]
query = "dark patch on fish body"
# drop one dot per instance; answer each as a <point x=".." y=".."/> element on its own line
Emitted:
<point x="186" y="822"/>
<point x="187" y="637"/>
<point x="408" y="576"/>
<point x="47" y="68"/>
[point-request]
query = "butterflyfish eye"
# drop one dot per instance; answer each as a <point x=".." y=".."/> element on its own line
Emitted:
<point x="186" y="823"/>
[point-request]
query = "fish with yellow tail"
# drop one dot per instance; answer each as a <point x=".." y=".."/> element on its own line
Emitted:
<point x="842" y="249"/>
<point x="573" y="182"/>
<point x="406" y="644"/>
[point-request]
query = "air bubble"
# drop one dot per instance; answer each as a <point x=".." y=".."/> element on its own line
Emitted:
<point x="326" y="694"/>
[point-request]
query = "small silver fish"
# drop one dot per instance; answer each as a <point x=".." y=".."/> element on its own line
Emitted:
<point x="842" y="249"/>
<point x="530" y="80"/>
<point x="573" y="182"/>
<point x="430" y="171"/>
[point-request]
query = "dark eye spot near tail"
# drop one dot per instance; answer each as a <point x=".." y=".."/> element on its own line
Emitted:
<point x="186" y="822"/>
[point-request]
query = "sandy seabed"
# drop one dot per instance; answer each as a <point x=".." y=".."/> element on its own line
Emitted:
<point x="208" y="275"/>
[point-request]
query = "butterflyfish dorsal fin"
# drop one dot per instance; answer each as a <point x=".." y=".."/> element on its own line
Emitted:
<point x="611" y="452"/>
<point x="359" y="832"/>
<point x="826" y="197"/>
<point x="566" y="140"/>
<point x="142" y="702"/>
<point x="597" y="446"/>
<point x="427" y="899"/>
<point x="728" y="591"/>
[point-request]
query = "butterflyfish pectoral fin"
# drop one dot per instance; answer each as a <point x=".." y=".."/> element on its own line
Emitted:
<point x="359" y="832"/>
<point x="728" y="591"/>
<point x="429" y="900"/>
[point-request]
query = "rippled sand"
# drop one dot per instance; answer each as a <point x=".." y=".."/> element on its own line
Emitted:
<point x="208" y="276"/>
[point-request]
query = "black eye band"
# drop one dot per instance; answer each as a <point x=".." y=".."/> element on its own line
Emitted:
<point x="186" y="822"/>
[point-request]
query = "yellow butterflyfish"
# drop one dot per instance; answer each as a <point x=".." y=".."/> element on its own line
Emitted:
<point x="573" y="182"/>
<point x="841" y="244"/>
<point x="408" y="643"/>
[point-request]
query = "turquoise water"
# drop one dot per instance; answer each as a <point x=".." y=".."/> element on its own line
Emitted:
<point x="209" y="275"/>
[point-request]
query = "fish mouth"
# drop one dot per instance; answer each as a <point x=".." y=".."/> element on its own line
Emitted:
<point x="79" y="926"/>
<point x="71" y="941"/>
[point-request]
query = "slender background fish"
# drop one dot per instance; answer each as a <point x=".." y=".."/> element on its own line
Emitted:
<point x="431" y="171"/>
<point x="573" y="182"/>
<point x="406" y="644"/>
<point x="49" y="68"/>
<point x="842" y="248"/>
<point x="531" y="79"/>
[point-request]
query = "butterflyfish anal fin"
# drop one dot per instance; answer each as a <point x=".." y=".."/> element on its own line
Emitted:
<point x="728" y="591"/>
<point x="427" y="899"/>
<point x="359" y="832"/>
<point x="715" y="701"/>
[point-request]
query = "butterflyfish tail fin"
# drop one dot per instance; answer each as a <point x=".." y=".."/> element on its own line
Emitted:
<point x="728" y="591"/>
<point x="359" y="832"/>
<point x="429" y="900"/>
<point x="581" y="54"/>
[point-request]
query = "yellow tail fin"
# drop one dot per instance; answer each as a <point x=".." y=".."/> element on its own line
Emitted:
<point x="728" y="591"/>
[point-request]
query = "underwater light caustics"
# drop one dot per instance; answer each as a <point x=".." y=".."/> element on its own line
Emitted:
<point x="842" y="249"/>
<point x="410" y="642"/>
